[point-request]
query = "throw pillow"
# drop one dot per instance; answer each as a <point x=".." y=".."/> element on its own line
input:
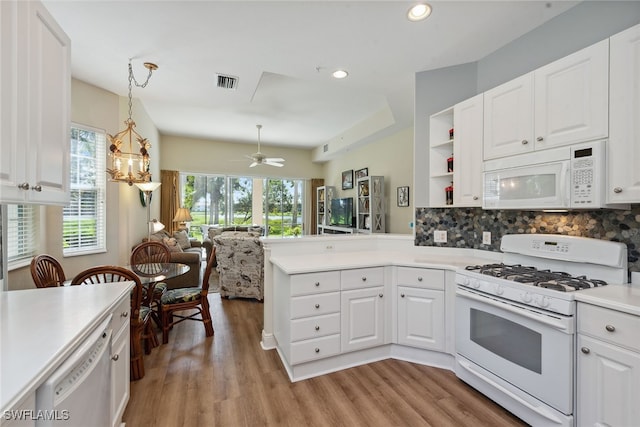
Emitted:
<point x="183" y="239"/>
<point x="172" y="244"/>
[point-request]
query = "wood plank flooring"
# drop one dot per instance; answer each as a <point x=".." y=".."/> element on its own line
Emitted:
<point x="228" y="380"/>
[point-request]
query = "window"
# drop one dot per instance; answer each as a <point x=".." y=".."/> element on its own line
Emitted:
<point x="84" y="227"/>
<point x="22" y="234"/>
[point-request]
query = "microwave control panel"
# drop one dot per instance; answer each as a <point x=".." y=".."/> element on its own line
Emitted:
<point x="586" y="167"/>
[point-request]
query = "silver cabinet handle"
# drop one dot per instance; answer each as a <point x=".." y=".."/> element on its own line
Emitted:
<point x="37" y="188"/>
<point x="317" y="328"/>
<point x="317" y="305"/>
<point x="610" y="328"/>
<point x="124" y="314"/>
<point x="401" y="295"/>
<point x="585" y="350"/>
<point x="539" y="139"/>
<point x="24" y="186"/>
<point x="115" y="357"/>
<point x="525" y="142"/>
<point x="317" y="350"/>
<point x="380" y="295"/>
<point x="364" y="279"/>
<point x="317" y="284"/>
<point x="617" y="190"/>
<point x="420" y="279"/>
<point x="475" y="197"/>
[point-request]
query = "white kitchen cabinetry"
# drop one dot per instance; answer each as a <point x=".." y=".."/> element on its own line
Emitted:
<point x="624" y="110"/>
<point x="441" y="139"/>
<point x="35" y="92"/>
<point x="608" y="380"/>
<point x="562" y="103"/>
<point x="467" y="152"/>
<point x="370" y="212"/>
<point x="421" y="309"/>
<point x="120" y="358"/>
<point x="362" y="308"/>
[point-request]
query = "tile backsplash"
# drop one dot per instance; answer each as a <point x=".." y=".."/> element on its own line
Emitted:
<point x="464" y="226"/>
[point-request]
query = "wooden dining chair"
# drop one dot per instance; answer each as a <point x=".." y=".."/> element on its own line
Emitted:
<point x="188" y="299"/>
<point x="46" y="271"/>
<point x="152" y="252"/>
<point x="140" y="323"/>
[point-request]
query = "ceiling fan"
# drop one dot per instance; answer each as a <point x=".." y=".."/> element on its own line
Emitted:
<point x="261" y="159"/>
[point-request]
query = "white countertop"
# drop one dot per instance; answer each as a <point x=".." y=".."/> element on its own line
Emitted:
<point x="625" y="298"/>
<point x="39" y="328"/>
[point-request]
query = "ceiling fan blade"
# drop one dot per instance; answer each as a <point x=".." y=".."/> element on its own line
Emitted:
<point x="266" y="162"/>
<point x="274" y="159"/>
<point x="254" y="164"/>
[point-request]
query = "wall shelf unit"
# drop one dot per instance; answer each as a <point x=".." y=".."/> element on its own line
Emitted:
<point x="324" y="195"/>
<point x="370" y="212"/>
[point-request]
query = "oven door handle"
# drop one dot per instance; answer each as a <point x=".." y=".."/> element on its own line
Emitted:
<point x="554" y="322"/>
<point x="541" y="411"/>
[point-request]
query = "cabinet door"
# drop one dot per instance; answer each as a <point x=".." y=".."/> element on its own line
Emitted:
<point x="49" y="74"/>
<point x="119" y="374"/>
<point x="421" y="318"/>
<point x="608" y="384"/>
<point x="362" y="313"/>
<point x="508" y="118"/>
<point x="467" y="152"/>
<point x="624" y="133"/>
<point x="572" y="98"/>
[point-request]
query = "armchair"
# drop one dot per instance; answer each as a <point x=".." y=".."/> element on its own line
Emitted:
<point x="240" y="258"/>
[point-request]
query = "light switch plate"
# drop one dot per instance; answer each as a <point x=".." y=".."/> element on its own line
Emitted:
<point x="486" y="237"/>
<point x="440" y="236"/>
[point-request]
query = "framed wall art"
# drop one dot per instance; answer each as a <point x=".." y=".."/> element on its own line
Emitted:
<point x="361" y="173"/>
<point x="403" y="197"/>
<point x="347" y="179"/>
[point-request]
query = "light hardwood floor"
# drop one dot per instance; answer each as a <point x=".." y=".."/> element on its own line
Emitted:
<point x="228" y="380"/>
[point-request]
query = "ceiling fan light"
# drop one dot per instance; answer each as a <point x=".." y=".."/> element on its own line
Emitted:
<point x="340" y="74"/>
<point x="419" y="12"/>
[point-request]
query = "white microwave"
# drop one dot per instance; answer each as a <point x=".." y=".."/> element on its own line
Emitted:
<point x="570" y="177"/>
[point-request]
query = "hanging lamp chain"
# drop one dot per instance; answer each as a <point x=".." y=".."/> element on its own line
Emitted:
<point x="132" y="79"/>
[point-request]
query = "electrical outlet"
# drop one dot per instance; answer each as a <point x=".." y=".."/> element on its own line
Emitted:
<point x="486" y="237"/>
<point x="440" y="236"/>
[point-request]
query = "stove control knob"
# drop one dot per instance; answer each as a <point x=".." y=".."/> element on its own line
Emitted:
<point x="465" y="281"/>
<point x="499" y="289"/>
<point x="475" y="284"/>
<point x="526" y="297"/>
<point x="543" y="301"/>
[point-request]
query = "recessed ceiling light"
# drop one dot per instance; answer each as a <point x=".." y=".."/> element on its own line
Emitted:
<point x="340" y="74"/>
<point x="419" y="12"/>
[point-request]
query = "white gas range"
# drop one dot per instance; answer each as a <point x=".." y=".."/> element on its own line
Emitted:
<point x="515" y="321"/>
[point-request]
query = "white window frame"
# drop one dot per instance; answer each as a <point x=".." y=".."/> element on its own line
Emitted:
<point x="100" y="187"/>
<point x="23" y="224"/>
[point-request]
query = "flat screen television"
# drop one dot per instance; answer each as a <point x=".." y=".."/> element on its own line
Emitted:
<point x="342" y="212"/>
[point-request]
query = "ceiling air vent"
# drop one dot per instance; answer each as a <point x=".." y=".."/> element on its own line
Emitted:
<point x="325" y="148"/>
<point x="227" y="82"/>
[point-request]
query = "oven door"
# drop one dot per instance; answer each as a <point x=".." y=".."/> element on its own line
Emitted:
<point x="541" y="186"/>
<point x="530" y="349"/>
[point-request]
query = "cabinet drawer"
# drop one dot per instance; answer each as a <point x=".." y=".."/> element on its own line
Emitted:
<point x="609" y="325"/>
<point x="362" y="278"/>
<point x="304" y="351"/>
<point x="314" y="327"/>
<point x="314" y="305"/>
<point x="421" y="278"/>
<point x="313" y="283"/>
<point x="121" y="315"/>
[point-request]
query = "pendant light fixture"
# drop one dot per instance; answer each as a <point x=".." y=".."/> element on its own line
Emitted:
<point x="127" y="166"/>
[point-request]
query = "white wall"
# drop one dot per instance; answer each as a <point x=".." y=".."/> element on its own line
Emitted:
<point x="391" y="157"/>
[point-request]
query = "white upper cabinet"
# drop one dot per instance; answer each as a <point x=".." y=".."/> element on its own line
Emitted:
<point x="467" y="152"/>
<point x="35" y="92"/>
<point x="624" y="121"/>
<point x="562" y="103"/>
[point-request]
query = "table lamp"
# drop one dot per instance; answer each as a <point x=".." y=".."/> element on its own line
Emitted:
<point x="182" y="217"/>
<point x="147" y="188"/>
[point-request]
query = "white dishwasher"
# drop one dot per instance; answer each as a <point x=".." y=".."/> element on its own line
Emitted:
<point x="79" y="391"/>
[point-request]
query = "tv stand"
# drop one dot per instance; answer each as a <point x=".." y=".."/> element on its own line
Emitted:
<point x="334" y="229"/>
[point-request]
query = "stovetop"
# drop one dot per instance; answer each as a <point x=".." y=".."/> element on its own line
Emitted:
<point x="555" y="280"/>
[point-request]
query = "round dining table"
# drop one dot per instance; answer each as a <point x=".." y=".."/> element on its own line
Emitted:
<point x="154" y="272"/>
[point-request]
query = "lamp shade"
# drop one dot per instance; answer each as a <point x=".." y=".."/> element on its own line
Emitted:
<point x="183" y="215"/>
<point x="156" y="226"/>
<point x="148" y="186"/>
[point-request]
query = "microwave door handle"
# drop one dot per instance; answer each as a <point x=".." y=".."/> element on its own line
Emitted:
<point x="565" y="186"/>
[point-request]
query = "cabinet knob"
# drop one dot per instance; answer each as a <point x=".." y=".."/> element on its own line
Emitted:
<point x="380" y="295"/>
<point x="539" y="139"/>
<point x="124" y="314"/>
<point x="317" y="350"/>
<point x="475" y="197"/>
<point x="401" y="295"/>
<point x="585" y="350"/>
<point x="420" y="279"/>
<point x="115" y="357"/>
<point x="24" y="186"/>
<point x="525" y="142"/>
<point x="617" y="190"/>
<point x="37" y="188"/>
<point x="317" y="284"/>
<point x="317" y="328"/>
<point x="317" y="305"/>
<point x="610" y="328"/>
<point x="364" y="279"/>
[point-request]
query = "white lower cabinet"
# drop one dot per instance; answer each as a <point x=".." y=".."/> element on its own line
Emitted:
<point x="120" y="357"/>
<point x="362" y="318"/>
<point x="608" y="382"/>
<point x="421" y="308"/>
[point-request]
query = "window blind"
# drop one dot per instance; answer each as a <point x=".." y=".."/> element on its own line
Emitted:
<point x="22" y="234"/>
